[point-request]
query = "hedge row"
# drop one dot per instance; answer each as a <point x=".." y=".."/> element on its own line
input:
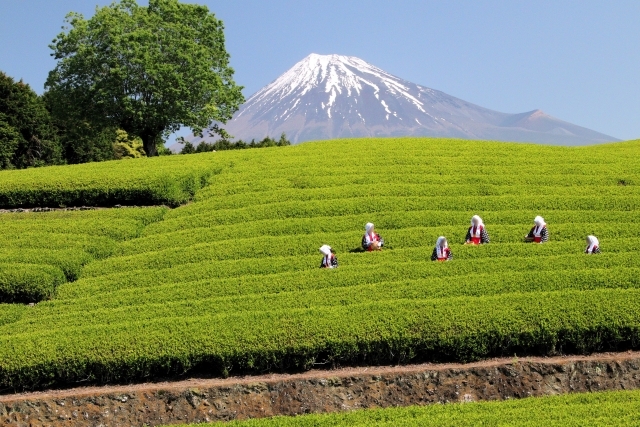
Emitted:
<point x="384" y="221"/>
<point x="367" y="191"/>
<point x="208" y="298"/>
<point x="461" y="329"/>
<point x="70" y="261"/>
<point x="342" y="207"/>
<point x="97" y="246"/>
<point x="230" y="283"/>
<point x="28" y="283"/>
<point x="168" y="180"/>
<point x="301" y="182"/>
<point x="605" y="409"/>
<point x="286" y="246"/>
<point x="385" y="264"/>
<point x="146" y="215"/>
<point x="254" y="240"/>
<point x="41" y="251"/>
<point x="10" y="313"/>
<point x="116" y="224"/>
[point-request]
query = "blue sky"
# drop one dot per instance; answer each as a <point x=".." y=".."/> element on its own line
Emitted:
<point x="576" y="60"/>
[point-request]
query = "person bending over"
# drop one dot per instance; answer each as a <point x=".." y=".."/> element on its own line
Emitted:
<point x="371" y="241"/>
<point x="329" y="260"/>
<point x="441" y="252"/>
<point x="593" y="245"/>
<point x="539" y="232"/>
<point x="477" y="234"/>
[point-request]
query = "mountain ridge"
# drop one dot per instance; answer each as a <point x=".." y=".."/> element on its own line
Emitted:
<point x="337" y="96"/>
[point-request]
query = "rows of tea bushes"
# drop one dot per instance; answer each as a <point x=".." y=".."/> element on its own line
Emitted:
<point x="230" y="283"/>
<point x="171" y="180"/>
<point x="170" y="299"/>
<point x="362" y="206"/>
<point x="159" y="342"/>
<point x="606" y="409"/>
<point x="28" y="282"/>
<point x="40" y="251"/>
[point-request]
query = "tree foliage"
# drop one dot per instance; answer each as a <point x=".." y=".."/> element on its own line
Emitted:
<point x="27" y="135"/>
<point x="127" y="147"/>
<point x="81" y="140"/>
<point x="224" y="144"/>
<point x="145" y="70"/>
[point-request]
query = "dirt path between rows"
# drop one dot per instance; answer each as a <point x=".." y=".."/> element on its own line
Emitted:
<point x="198" y="400"/>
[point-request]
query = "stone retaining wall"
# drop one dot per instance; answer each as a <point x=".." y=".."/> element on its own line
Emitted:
<point x="318" y="391"/>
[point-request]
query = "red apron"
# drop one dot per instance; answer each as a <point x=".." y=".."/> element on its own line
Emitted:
<point x="443" y="255"/>
<point x="537" y="234"/>
<point x="476" y="235"/>
<point x="372" y="238"/>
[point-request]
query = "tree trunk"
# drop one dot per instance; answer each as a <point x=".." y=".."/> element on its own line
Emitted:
<point x="149" y="144"/>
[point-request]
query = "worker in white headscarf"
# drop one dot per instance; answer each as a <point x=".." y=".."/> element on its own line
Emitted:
<point x="593" y="245"/>
<point x="539" y="232"/>
<point x="329" y="260"/>
<point x="371" y="241"/>
<point x="441" y="252"/>
<point x="477" y="233"/>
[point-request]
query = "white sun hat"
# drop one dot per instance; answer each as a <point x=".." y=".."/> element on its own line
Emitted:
<point x="325" y="249"/>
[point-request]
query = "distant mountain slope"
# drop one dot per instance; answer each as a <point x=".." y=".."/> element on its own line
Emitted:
<point x="334" y="96"/>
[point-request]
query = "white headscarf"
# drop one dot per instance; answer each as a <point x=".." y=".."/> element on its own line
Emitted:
<point x="368" y="227"/>
<point x="477" y="218"/>
<point x="593" y="242"/>
<point x="441" y="245"/>
<point x="325" y="249"/>
<point x="539" y="222"/>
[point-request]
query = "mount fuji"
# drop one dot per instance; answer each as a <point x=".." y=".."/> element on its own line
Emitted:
<point x="335" y="96"/>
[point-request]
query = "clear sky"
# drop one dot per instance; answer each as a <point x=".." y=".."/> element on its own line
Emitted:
<point x="576" y="60"/>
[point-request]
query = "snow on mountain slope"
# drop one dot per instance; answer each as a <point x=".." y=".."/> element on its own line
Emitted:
<point x="335" y="96"/>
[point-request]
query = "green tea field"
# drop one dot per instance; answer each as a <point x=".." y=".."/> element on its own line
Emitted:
<point x="229" y="283"/>
<point x="594" y="409"/>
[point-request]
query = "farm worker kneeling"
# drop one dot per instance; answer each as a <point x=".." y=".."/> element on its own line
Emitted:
<point x="538" y="233"/>
<point x="593" y="245"/>
<point x="371" y="241"/>
<point x="441" y="252"/>
<point x="329" y="259"/>
<point x="477" y="234"/>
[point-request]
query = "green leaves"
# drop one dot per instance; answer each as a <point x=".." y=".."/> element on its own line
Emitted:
<point x="169" y="180"/>
<point x="146" y="70"/>
<point x="27" y="136"/>
<point x="41" y="251"/>
<point x="28" y="283"/>
<point x="230" y="283"/>
<point x="618" y="408"/>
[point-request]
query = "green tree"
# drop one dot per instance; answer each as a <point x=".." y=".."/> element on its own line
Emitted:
<point x="283" y="140"/>
<point x="188" y="148"/>
<point x="9" y="141"/>
<point x="82" y="141"/>
<point x="127" y="147"/>
<point x="145" y="70"/>
<point x="27" y="135"/>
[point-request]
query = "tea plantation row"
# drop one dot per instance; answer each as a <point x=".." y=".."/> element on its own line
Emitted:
<point x="41" y="251"/>
<point x="230" y="283"/>
<point x="594" y="409"/>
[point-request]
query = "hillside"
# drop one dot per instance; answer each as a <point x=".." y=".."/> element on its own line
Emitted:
<point x="230" y="283"/>
<point x="336" y="96"/>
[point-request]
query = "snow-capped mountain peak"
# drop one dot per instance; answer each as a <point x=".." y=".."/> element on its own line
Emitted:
<point x="333" y="96"/>
<point x="335" y="75"/>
